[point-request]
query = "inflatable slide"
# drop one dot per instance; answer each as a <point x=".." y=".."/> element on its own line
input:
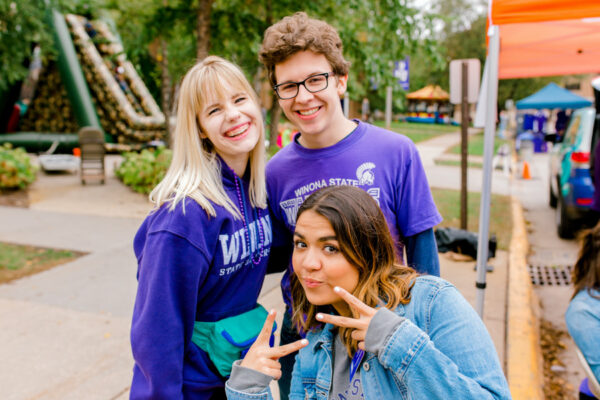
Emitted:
<point x="90" y="84"/>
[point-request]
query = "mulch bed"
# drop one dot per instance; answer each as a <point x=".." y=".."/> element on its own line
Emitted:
<point x="14" y="198"/>
<point x="556" y="386"/>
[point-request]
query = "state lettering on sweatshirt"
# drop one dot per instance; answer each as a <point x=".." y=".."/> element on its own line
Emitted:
<point x="234" y="248"/>
<point x="242" y="264"/>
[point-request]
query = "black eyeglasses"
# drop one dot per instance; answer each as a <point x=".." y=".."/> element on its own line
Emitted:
<point x="314" y="83"/>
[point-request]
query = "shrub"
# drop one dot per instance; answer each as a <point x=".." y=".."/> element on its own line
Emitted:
<point x="16" y="169"/>
<point x="143" y="171"/>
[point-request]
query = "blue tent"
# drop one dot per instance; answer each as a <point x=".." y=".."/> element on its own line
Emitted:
<point x="552" y="96"/>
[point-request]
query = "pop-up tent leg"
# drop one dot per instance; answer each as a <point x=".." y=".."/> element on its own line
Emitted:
<point x="488" y="153"/>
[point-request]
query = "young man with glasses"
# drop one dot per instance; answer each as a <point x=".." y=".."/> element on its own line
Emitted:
<point x="306" y="67"/>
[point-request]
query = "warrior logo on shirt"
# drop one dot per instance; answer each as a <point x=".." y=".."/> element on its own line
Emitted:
<point x="365" y="174"/>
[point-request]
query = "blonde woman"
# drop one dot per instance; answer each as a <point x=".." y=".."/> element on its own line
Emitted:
<point x="202" y="252"/>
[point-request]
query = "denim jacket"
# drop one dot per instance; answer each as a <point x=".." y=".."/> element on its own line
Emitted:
<point x="442" y="350"/>
<point x="583" y="322"/>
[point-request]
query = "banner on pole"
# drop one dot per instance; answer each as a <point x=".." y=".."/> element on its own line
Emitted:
<point x="401" y="71"/>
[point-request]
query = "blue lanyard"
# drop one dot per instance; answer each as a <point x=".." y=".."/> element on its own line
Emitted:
<point x="358" y="356"/>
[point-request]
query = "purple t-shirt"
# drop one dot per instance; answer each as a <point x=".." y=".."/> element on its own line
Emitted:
<point x="385" y="164"/>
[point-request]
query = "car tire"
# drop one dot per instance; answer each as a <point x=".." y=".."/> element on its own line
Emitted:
<point x="552" y="197"/>
<point x="565" y="227"/>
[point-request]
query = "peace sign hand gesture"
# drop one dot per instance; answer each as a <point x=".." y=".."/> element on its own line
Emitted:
<point x="263" y="358"/>
<point x="360" y="324"/>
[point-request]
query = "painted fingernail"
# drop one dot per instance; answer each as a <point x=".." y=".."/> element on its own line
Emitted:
<point x="337" y="289"/>
<point x="319" y="316"/>
<point x="304" y="341"/>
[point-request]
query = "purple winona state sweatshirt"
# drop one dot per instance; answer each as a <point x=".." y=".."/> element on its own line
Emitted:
<point x="192" y="267"/>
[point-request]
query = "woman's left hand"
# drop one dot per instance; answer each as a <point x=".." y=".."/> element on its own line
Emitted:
<point x="360" y="324"/>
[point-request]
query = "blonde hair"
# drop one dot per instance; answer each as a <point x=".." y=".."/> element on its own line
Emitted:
<point x="195" y="171"/>
<point x="366" y="243"/>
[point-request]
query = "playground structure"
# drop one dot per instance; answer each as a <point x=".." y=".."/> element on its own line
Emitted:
<point x="91" y="84"/>
<point x="429" y="105"/>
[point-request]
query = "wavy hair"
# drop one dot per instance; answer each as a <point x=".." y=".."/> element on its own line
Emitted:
<point x="195" y="171"/>
<point x="299" y="32"/>
<point x="366" y="243"/>
<point x="586" y="272"/>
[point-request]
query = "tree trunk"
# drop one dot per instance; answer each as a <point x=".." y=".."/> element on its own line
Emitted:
<point x="275" y="108"/>
<point x="203" y="29"/>
<point x="274" y="125"/>
<point x="166" y="89"/>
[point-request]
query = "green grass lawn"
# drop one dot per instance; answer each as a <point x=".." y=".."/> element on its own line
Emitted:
<point x="475" y="146"/>
<point x="453" y="163"/>
<point x="17" y="261"/>
<point x="448" y="204"/>
<point x="419" y="132"/>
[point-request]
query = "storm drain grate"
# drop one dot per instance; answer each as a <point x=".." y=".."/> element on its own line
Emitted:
<point x="550" y="275"/>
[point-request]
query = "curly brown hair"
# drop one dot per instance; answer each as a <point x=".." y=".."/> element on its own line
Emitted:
<point x="366" y="243"/>
<point x="586" y="272"/>
<point x="299" y="32"/>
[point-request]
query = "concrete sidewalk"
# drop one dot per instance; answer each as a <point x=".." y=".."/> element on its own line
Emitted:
<point x="448" y="177"/>
<point x="66" y="330"/>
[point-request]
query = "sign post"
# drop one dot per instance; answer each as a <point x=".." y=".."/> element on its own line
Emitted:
<point x="464" y="87"/>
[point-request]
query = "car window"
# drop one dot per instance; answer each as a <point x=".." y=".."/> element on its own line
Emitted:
<point x="571" y="133"/>
<point x="584" y="135"/>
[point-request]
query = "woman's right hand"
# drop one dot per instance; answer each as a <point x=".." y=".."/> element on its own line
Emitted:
<point x="262" y="357"/>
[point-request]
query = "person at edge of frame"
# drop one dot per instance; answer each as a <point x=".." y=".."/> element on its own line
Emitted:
<point x="305" y="64"/>
<point x="583" y="314"/>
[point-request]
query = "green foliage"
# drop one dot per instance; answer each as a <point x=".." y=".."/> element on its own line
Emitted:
<point x="16" y="170"/>
<point x="23" y="24"/>
<point x="374" y="33"/>
<point x="419" y="132"/>
<point x="143" y="171"/>
<point x="447" y="202"/>
<point x="475" y="145"/>
<point x="464" y="36"/>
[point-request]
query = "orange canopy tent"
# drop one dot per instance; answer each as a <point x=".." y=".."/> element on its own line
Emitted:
<point x="528" y="38"/>
<point x="546" y="37"/>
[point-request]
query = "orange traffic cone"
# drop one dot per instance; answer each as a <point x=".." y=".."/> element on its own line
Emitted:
<point x="526" y="173"/>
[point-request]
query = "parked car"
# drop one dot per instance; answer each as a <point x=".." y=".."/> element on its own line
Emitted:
<point x="571" y="187"/>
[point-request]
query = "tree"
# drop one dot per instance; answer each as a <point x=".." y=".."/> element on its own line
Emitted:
<point x="464" y="36"/>
<point x="375" y="34"/>
<point x="22" y="25"/>
<point x="164" y="38"/>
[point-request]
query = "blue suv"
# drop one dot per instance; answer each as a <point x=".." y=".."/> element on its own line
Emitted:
<point x="571" y="186"/>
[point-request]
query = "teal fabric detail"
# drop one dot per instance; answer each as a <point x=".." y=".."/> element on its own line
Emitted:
<point x="225" y="340"/>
